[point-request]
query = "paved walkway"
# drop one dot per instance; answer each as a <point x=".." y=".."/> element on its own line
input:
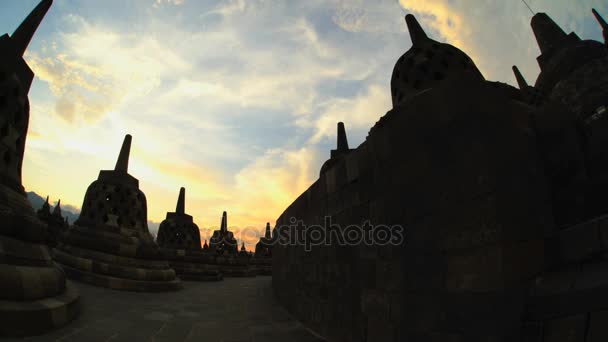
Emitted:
<point x="236" y="309"/>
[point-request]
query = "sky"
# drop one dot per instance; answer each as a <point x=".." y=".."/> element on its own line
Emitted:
<point x="238" y="100"/>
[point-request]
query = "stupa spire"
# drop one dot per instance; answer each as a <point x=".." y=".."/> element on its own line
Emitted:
<point x="57" y="209"/>
<point x="548" y="34"/>
<point x="267" y="234"/>
<point x="24" y="33"/>
<point x="181" y="201"/>
<point x="603" y="24"/>
<point x="417" y="34"/>
<point x="342" y="141"/>
<point x="224" y="226"/>
<point x="122" y="164"/>
<point x="521" y="81"/>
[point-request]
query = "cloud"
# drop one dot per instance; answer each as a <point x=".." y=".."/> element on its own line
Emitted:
<point x="360" y="112"/>
<point x="238" y="100"/>
<point x="92" y="70"/>
<point x="496" y="34"/>
<point x="158" y="3"/>
<point x="372" y="17"/>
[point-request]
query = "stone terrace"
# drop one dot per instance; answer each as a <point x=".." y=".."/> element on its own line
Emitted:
<point x="237" y="309"/>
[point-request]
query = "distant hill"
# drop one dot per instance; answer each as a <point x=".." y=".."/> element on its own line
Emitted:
<point x="72" y="213"/>
<point x="67" y="210"/>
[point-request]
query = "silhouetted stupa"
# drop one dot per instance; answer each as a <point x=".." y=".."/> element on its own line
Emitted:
<point x="56" y="224"/>
<point x="262" y="260"/>
<point x="34" y="293"/>
<point x="110" y="245"/>
<point x="222" y="241"/>
<point x="224" y="245"/>
<point x="180" y="243"/>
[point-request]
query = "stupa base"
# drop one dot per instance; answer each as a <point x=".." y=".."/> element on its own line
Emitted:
<point x="122" y="284"/>
<point x="196" y="271"/>
<point x="26" y="318"/>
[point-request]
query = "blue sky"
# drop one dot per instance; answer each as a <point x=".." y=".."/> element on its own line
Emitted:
<point x="237" y="100"/>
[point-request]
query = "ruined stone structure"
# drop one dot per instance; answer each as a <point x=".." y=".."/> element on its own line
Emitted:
<point x="262" y="260"/>
<point x="180" y="243"/>
<point x="35" y="295"/>
<point x="492" y="198"/>
<point x="110" y="245"/>
<point x="56" y="224"/>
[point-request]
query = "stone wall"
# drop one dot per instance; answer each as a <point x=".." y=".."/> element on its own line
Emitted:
<point x="458" y="167"/>
<point x="570" y="299"/>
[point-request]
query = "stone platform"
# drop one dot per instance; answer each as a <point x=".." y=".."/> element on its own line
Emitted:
<point x="237" y="309"/>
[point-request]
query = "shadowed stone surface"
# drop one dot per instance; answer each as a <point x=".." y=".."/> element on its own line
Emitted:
<point x="34" y="294"/>
<point x="500" y="192"/>
<point x="238" y="309"/>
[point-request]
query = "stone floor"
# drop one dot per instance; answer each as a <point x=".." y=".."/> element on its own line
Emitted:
<point x="236" y="309"/>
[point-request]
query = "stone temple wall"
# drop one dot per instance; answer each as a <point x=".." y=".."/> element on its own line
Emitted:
<point x="458" y="167"/>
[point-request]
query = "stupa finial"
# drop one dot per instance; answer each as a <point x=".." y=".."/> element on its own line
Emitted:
<point x="603" y="24"/>
<point x="24" y="33"/>
<point x="548" y="34"/>
<point x="224" y="226"/>
<point x="181" y="201"/>
<point x="521" y="81"/>
<point x="122" y="164"/>
<point x="417" y="34"/>
<point x="342" y="141"/>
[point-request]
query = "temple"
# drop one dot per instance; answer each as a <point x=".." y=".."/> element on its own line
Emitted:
<point x="109" y="245"/>
<point x="180" y="242"/>
<point x="35" y="295"/>
<point x="491" y="197"/>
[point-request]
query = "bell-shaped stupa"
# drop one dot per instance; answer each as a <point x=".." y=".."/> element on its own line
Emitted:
<point x="262" y="259"/>
<point x="180" y="242"/>
<point x="224" y="245"/>
<point x="110" y="245"/>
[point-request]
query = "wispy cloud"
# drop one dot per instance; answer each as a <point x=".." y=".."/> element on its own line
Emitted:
<point x="238" y="100"/>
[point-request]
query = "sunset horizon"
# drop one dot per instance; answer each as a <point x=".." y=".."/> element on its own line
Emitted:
<point x="236" y="101"/>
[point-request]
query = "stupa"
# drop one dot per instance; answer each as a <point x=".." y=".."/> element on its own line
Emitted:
<point x="35" y="295"/>
<point x="56" y="224"/>
<point x="262" y="259"/>
<point x="224" y="245"/>
<point x="222" y="241"/>
<point x="110" y="245"/>
<point x="180" y="242"/>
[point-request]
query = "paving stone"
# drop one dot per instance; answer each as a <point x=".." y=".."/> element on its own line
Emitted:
<point x="238" y="309"/>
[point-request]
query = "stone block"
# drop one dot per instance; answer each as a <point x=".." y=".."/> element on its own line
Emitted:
<point x="566" y="329"/>
<point x="532" y="332"/>
<point x="379" y="330"/>
<point x="478" y="269"/>
<point x="598" y="327"/>
<point x="580" y="242"/>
